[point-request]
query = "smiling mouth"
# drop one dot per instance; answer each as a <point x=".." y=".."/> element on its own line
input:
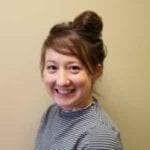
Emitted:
<point x="64" y="92"/>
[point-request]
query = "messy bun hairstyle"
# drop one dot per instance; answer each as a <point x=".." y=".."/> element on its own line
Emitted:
<point x="81" y="38"/>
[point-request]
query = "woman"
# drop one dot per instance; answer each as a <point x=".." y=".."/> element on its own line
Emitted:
<point x="71" y="61"/>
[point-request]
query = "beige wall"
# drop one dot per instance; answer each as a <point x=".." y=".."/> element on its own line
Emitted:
<point x="124" y="86"/>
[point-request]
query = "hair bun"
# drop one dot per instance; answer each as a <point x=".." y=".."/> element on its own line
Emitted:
<point x="58" y="28"/>
<point x="88" y="24"/>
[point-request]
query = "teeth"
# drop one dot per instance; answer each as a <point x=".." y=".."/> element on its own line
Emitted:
<point x="60" y="91"/>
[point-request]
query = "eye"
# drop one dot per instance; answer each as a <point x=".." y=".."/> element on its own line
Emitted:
<point x="75" y="69"/>
<point x="51" y="68"/>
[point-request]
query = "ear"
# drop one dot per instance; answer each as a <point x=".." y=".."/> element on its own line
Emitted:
<point x="98" y="71"/>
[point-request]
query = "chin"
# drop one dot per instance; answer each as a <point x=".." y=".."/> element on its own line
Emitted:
<point x="65" y="104"/>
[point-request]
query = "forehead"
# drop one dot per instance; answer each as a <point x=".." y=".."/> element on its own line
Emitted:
<point x="52" y="55"/>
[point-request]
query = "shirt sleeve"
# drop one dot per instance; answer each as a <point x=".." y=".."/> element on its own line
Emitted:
<point x="101" y="139"/>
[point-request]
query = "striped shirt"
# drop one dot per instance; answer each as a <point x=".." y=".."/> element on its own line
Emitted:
<point x="88" y="129"/>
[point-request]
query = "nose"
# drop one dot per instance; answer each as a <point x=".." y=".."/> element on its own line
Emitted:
<point x="62" y="78"/>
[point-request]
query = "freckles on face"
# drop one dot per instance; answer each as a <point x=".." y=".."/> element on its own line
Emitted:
<point x="66" y="80"/>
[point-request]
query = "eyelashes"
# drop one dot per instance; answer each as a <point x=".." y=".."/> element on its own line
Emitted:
<point x="74" y="69"/>
<point x="51" y="68"/>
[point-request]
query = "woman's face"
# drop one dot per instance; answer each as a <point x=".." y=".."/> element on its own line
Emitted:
<point x="67" y="80"/>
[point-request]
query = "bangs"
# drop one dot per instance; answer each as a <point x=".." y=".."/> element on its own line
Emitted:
<point x="65" y="45"/>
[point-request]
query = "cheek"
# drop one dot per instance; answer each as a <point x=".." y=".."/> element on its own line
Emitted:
<point x="48" y="81"/>
<point x="83" y="82"/>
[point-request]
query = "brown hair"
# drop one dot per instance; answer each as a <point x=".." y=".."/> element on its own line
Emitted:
<point x="80" y="38"/>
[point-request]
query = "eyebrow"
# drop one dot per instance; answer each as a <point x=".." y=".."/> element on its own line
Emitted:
<point x="68" y="62"/>
<point x="71" y="62"/>
<point x="47" y="61"/>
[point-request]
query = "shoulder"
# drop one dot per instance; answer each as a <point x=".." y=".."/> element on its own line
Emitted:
<point x="50" y="111"/>
<point x="101" y="137"/>
<point x="104" y="134"/>
<point x="103" y="119"/>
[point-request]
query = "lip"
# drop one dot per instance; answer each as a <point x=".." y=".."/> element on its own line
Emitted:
<point x="64" y="92"/>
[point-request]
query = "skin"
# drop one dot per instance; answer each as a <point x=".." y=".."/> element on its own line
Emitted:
<point x="67" y="80"/>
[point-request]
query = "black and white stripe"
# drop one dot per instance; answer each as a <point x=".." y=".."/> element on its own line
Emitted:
<point x="89" y="129"/>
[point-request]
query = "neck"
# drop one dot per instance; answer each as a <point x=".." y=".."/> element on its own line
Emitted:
<point x="79" y="108"/>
